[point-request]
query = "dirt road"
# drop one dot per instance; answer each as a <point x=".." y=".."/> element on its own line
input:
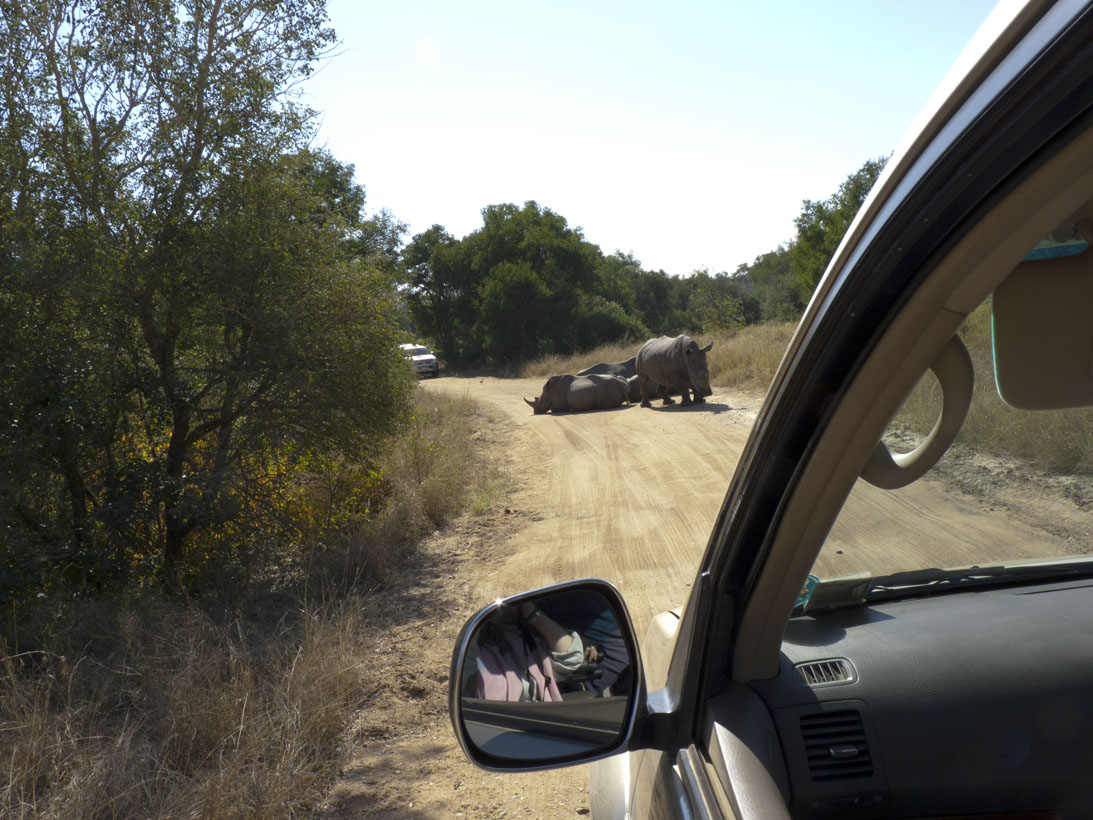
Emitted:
<point x="629" y="495"/>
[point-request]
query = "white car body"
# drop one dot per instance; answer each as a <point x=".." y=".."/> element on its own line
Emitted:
<point x="423" y="360"/>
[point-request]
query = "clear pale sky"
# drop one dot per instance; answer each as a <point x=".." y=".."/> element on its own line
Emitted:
<point x="686" y="133"/>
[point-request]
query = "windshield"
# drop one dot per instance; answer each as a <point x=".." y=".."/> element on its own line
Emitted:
<point x="1016" y="486"/>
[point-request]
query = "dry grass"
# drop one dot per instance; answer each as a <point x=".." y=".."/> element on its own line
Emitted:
<point x="430" y="474"/>
<point x="176" y="714"/>
<point x="550" y="365"/>
<point x="748" y="359"/>
<point x="743" y="360"/>
<point x="159" y="708"/>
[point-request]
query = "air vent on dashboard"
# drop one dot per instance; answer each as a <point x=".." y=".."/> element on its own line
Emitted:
<point x="827" y="672"/>
<point x="835" y="745"/>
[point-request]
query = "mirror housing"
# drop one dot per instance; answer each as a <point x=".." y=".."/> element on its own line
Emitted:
<point x="547" y="678"/>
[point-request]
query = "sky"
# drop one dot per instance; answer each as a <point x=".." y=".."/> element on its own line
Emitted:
<point x="684" y="133"/>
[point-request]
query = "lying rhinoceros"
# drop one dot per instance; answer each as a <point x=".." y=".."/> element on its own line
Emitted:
<point x="566" y="392"/>
<point x="626" y="370"/>
<point x="676" y="362"/>
<point x="654" y="389"/>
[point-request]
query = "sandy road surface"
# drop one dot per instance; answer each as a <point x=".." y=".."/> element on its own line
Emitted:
<point x="629" y="495"/>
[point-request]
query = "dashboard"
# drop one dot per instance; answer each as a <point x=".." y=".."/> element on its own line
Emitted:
<point x="976" y="703"/>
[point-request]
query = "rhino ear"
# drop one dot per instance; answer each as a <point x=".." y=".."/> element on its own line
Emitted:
<point x="706" y="349"/>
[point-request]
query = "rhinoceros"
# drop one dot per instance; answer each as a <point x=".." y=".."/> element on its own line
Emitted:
<point x="654" y="389"/>
<point x="677" y="363"/>
<point x="566" y="392"/>
<point x="626" y="370"/>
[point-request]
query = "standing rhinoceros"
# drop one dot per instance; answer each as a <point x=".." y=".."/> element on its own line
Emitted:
<point x="677" y="363"/>
<point x="566" y="392"/>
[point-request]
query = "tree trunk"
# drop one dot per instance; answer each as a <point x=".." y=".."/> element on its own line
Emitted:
<point x="176" y="524"/>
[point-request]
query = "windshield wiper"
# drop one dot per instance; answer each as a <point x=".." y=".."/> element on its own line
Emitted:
<point x="928" y="581"/>
<point x="856" y="590"/>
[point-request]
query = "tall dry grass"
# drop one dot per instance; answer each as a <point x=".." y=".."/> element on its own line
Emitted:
<point x="153" y="707"/>
<point x="430" y="473"/>
<point x="748" y="358"/>
<point x="177" y="714"/>
<point x="551" y="365"/>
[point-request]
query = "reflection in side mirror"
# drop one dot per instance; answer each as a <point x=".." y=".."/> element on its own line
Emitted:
<point x="546" y="678"/>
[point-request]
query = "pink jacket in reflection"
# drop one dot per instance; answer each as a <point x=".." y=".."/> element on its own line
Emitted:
<point x="516" y="667"/>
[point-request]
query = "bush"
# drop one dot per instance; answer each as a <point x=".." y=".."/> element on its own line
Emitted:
<point x="155" y="707"/>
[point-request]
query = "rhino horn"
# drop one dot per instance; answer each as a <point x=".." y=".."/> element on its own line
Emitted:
<point x="530" y="404"/>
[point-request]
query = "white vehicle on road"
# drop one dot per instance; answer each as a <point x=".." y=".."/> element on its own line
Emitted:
<point x="423" y="360"/>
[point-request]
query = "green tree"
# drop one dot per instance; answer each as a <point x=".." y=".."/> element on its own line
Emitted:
<point x="770" y="283"/>
<point x="720" y="302"/>
<point x="441" y="292"/>
<point x="199" y="296"/>
<point x="516" y="310"/>
<point x="519" y="287"/>
<point x="822" y="224"/>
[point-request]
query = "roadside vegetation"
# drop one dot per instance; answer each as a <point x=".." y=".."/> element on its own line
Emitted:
<point x="142" y="706"/>
<point x="527" y="286"/>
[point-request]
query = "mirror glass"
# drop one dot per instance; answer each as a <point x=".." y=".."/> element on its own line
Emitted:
<point x="546" y="677"/>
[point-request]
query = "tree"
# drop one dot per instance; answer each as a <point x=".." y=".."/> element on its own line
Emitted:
<point x="207" y="300"/>
<point x="720" y="302"/>
<point x="515" y="289"/>
<point x="821" y="226"/>
<point x="661" y="302"/>
<point x="440" y="292"/>
<point x="770" y="283"/>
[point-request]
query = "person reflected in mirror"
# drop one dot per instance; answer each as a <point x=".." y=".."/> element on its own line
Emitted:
<point x="523" y="654"/>
<point x="508" y="662"/>
<point x="568" y="652"/>
<point x="591" y="617"/>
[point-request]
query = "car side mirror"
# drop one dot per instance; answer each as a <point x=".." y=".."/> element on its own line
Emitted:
<point x="547" y="678"/>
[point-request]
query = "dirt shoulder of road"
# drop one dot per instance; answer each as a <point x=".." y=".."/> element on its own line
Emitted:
<point x="404" y="759"/>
